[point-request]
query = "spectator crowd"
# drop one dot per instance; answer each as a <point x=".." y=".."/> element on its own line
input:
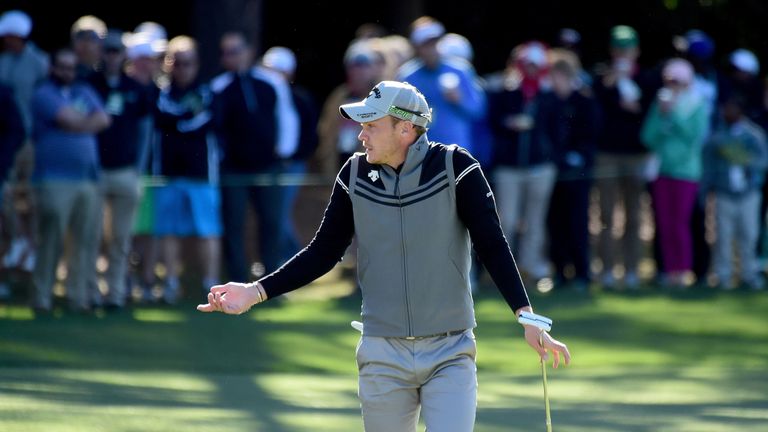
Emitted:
<point x="116" y="155"/>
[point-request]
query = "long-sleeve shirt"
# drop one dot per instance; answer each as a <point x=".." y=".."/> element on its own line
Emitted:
<point x="476" y="209"/>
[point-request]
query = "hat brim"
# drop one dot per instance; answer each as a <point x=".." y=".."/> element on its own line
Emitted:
<point x="360" y="112"/>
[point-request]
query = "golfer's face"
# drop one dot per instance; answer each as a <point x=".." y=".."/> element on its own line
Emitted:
<point x="379" y="140"/>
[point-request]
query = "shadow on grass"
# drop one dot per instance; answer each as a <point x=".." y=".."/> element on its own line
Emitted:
<point x="220" y="357"/>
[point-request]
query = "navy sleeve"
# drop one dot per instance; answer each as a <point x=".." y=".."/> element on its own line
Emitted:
<point x="477" y="210"/>
<point x="326" y="248"/>
<point x="12" y="131"/>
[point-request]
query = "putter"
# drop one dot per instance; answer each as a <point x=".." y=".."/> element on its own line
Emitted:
<point x="543" y="324"/>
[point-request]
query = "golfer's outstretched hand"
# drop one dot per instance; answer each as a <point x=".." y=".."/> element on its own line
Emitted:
<point x="549" y="344"/>
<point x="233" y="298"/>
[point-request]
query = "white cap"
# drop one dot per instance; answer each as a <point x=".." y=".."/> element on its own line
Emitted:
<point x="15" y="23"/>
<point x="280" y="58"/>
<point x="744" y="60"/>
<point x="151" y="33"/>
<point x="359" y="52"/>
<point x="143" y="45"/>
<point x="427" y="31"/>
<point x="153" y="29"/>
<point x="533" y="52"/>
<point x="455" y="45"/>
<point x="390" y="98"/>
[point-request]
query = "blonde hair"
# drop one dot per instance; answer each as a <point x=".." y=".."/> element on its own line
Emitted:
<point x="177" y="45"/>
<point x="423" y="20"/>
<point x="89" y="23"/>
<point x="572" y="64"/>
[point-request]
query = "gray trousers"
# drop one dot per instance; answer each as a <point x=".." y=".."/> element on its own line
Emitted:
<point x="119" y="192"/>
<point x="737" y="222"/>
<point x="62" y="205"/>
<point x="401" y="378"/>
<point x="522" y="196"/>
<point x="620" y="180"/>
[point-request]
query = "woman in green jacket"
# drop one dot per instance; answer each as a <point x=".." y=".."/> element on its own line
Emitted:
<point x="674" y="130"/>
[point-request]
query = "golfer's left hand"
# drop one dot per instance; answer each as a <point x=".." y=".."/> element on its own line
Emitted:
<point x="550" y="344"/>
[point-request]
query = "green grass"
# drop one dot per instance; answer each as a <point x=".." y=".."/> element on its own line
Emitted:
<point x="649" y="361"/>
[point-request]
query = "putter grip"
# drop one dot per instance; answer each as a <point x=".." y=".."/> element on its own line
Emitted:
<point x="539" y="321"/>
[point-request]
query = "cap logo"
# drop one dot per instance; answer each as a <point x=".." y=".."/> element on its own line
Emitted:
<point x="399" y="112"/>
<point x="376" y="93"/>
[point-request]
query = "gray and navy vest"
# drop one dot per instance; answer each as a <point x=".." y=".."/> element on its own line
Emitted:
<point x="413" y="250"/>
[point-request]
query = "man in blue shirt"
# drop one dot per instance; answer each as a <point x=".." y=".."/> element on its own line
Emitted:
<point x="448" y="84"/>
<point x="67" y="115"/>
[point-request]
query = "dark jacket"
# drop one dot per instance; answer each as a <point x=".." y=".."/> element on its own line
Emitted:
<point x="246" y="123"/>
<point x="520" y="149"/>
<point x="621" y="131"/>
<point x="12" y="131"/>
<point x="128" y="102"/>
<point x="183" y="119"/>
<point x="308" y="115"/>
<point x="578" y="127"/>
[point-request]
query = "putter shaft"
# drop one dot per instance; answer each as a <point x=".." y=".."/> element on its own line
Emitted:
<point x="544" y="379"/>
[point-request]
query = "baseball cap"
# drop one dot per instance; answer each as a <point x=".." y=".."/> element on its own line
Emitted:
<point x="533" y="52"/>
<point x="700" y="45"/>
<point x="280" y="58"/>
<point x="426" y="31"/>
<point x="155" y="34"/>
<point x="359" y="53"/>
<point x="397" y="99"/>
<point x="745" y="61"/>
<point x="623" y="36"/>
<point x="15" y="23"/>
<point x="569" y="37"/>
<point x="456" y="46"/>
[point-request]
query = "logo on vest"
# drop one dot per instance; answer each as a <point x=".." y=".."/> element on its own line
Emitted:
<point x="373" y="175"/>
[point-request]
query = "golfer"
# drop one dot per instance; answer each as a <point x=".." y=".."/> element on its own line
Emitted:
<point x="417" y="208"/>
